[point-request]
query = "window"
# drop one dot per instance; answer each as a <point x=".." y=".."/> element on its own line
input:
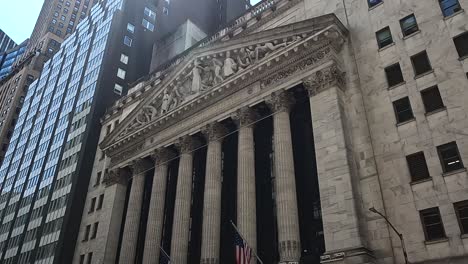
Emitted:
<point x="409" y="25"/>
<point x="384" y="37"/>
<point x="108" y="129"/>
<point x="403" y="111"/>
<point x="100" y="201"/>
<point x="82" y="257"/>
<point x="148" y="12"/>
<point x="432" y="224"/>
<point x="421" y="63"/>
<point x="394" y="75"/>
<point x="450" y="157"/>
<point x="130" y="28"/>
<point x="449" y="7"/>
<point x="92" y="205"/>
<point x="417" y="166"/>
<point x="98" y="179"/>
<point x="95" y="228"/>
<point x="90" y="257"/>
<point x="432" y="99"/>
<point x="118" y="89"/>
<point x="461" y="43"/>
<point x="124" y="58"/>
<point x="373" y="3"/>
<point x="148" y="25"/>
<point x="121" y="73"/>
<point x="128" y="41"/>
<point x="461" y="209"/>
<point x="86" y="234"/>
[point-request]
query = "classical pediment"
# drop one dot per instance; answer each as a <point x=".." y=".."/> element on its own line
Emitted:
<point x="213" y="70"/>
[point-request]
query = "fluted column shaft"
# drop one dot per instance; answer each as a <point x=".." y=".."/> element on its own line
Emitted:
<point x="156" y="209"/>
<point x="246" y="197"/>
<point x="132" y="218"/>
<point x="286" y="198"/>
<point x="212" y="197"/>
<point x="181" y="225"/>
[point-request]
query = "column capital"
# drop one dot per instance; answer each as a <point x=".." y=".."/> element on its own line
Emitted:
<point x="162" y="155"/>
<point x="245" y="116"/>
<point x="214" y="131"/>
<point x="139" y="165"/>
<point x="187" y="144"/>
<point x="324" y="79"/>
<point x="115" y="176"/>
<point x="280" y="101"/>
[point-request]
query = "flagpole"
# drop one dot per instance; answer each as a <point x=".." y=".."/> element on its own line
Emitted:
<point x="237" y="230"/>
<point x="163" y="251"/>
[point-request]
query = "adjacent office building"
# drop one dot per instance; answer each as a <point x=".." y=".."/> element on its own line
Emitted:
<point x="9" y="57"/>
<point x="306" y="123"/>
<point x="45" y="173"/>
<point x="57" y="19"/>
<point x="6" y="42"/>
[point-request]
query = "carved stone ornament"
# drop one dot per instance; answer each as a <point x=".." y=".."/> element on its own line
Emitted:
<point x="289" y="71"/>
<point x="139" y="166"/>
<point x="162" y="155"/>
<point x="280" y="101"/>
<point x="187" y="144"/>
<point x="115" y="176"/>
<point x="214" y="131"/>
<point x="324" y="79"/>
<point x="245" y="116"/>
<point x="203" y="74"/>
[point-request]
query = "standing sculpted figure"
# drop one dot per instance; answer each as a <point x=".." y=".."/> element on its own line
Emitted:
<point x="244" y="58"/>
<point x="166" y="101"/>
<point x="217" y="65"/>
<point x="197" y="84"/>
<point x="230" y="66"/>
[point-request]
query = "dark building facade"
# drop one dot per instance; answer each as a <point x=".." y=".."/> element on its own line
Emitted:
<point x="6" y="42"/>
<point x="44" y="175"/>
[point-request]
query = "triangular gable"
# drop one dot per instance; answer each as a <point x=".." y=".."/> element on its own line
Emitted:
<point x="213" y="66"/>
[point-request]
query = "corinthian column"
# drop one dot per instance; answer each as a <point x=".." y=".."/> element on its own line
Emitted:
<point x="132" y="219"/>
<point x="156" y="208"/>
<point x="181" y="225"/>
<point x="285" y="181"/>
<point x="212" y="197"/>
<point x="246" y="200"/>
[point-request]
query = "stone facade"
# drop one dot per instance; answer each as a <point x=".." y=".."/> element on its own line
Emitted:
<point x="360" y="149"/>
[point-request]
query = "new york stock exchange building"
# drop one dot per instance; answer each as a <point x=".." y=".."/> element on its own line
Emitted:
<point x="285" y="128"/>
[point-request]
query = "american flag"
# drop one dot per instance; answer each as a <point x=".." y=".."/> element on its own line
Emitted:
<point x="243" y="251"/>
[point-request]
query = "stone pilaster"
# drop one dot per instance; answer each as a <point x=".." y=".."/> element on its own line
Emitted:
<point x="132" y="218"/>
<point x="212" y="197"/>
<point x="334" y="162"/>
<point x="246" y="196"/>
<point x="285" y="182"/>
<point x="156" y="209"/>
<point x="114" y="203"/>
<point x="181" y="225"/>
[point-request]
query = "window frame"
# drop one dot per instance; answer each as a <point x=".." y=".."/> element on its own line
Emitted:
<point x="406" y="99"/>
<point x="416" y="26"/>
<point x="379" y="43"/>
<point x="440" y="149"/>
<point x="374" y="5"/>
<point x="424" y="226"/>
<point x="386" y="70"/>
<point x="460" y="50"/>
<point x="424" y="94"/>
<point x="415" y="178"/>
<point x="416" y="74"/>
<point x="453" y="11"/>
<point x="456" y="208"/>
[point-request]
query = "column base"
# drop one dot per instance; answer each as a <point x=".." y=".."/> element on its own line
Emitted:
<point x="360" y="255"/>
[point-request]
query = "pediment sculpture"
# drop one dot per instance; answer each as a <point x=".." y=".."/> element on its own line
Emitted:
<point x="203" y="74"/>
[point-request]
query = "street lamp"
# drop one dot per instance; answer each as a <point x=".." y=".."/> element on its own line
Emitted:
<point x="372" y="209"/>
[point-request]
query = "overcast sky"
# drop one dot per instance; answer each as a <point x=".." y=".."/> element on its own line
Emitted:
<point x="17" y="17"/>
